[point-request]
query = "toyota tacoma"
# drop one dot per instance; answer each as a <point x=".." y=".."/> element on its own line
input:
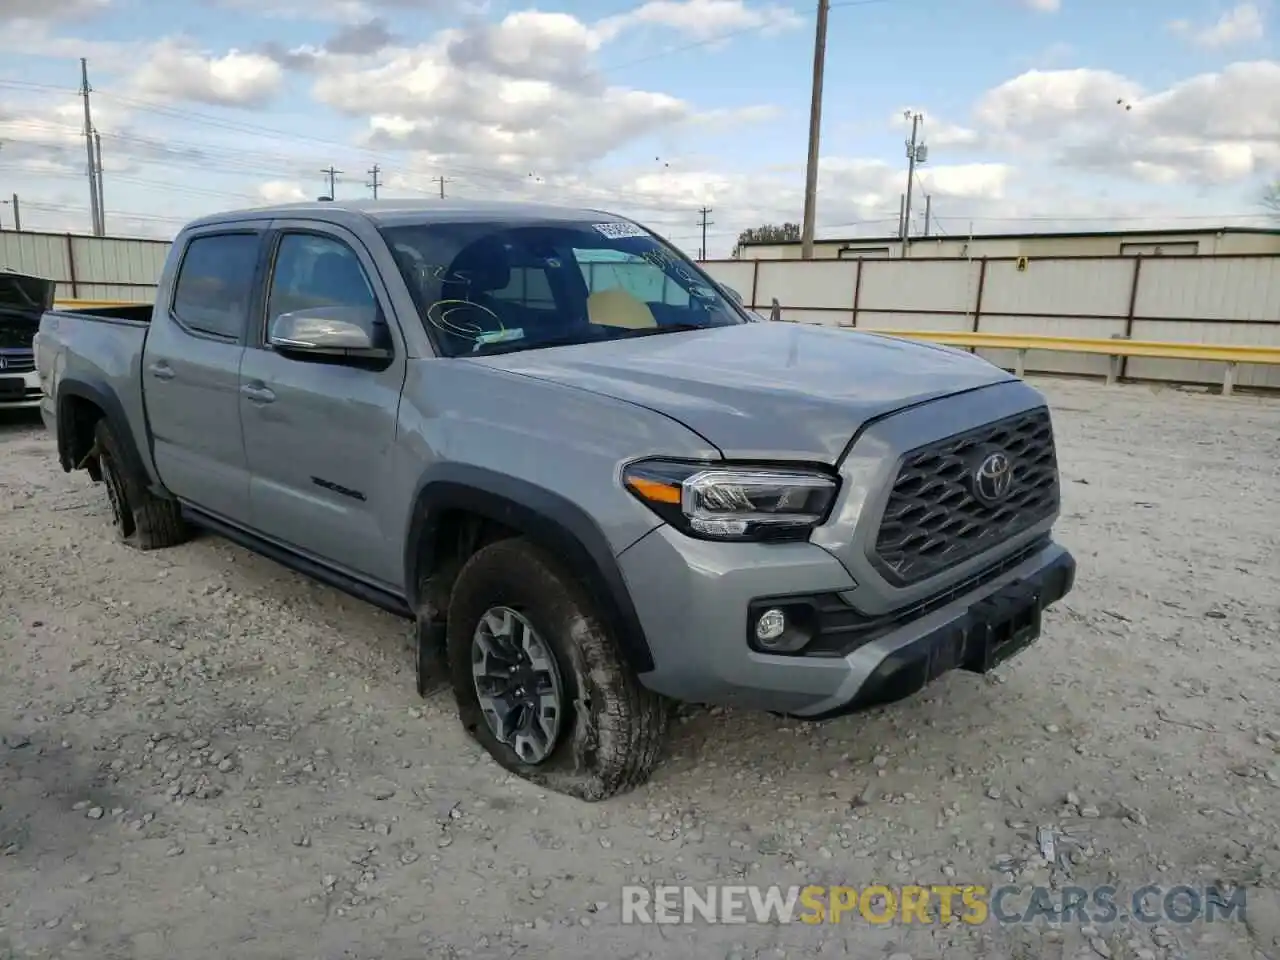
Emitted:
<point x="594" y="482"/>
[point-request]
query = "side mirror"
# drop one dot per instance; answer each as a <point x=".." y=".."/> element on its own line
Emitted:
<point x="329" y="331"/>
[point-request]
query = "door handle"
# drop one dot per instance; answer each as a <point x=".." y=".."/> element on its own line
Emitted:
<point x="161" y="370"/>
<point x="258" y="393"/>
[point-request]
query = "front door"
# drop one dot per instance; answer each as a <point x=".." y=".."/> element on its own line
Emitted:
<point x="191" y="373"/>
<point x="319" y="434"/>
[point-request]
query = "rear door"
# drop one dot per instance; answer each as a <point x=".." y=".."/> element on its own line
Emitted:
<point x="191" y="370"/>
<point x="319" y="433"/>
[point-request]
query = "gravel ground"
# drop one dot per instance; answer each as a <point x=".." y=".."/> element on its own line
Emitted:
<point x="205" y="755"/>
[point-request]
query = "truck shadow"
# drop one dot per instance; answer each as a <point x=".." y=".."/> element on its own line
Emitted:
<point x="713" y="751"/>
<point x="15" y="423"/>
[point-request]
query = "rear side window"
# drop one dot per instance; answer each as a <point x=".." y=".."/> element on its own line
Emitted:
<point x="215" y="283"/>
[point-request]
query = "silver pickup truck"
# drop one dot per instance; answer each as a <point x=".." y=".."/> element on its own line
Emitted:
<point x="594" y="481"/>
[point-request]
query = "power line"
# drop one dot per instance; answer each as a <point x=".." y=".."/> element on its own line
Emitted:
<point x="442" y="180"/>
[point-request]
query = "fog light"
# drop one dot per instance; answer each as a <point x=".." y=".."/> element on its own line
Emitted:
<point x="771" y="625"/>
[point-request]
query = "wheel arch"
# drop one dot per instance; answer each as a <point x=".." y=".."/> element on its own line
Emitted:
<point x="80" y="405"/>
<point x="547" y="519"/>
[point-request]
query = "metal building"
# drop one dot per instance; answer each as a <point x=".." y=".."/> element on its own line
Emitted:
<point x="1147" y="243"/>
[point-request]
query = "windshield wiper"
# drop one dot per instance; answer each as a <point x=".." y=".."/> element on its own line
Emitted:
<point x="666" y="328"/>
<point x="513" y="346"/>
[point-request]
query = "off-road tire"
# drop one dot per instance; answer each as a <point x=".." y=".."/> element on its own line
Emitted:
<point x="612" y="729"/>
<point x="141" y="519"/>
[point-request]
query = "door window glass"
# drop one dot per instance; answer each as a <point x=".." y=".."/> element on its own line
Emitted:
<point x="215" y="283"/>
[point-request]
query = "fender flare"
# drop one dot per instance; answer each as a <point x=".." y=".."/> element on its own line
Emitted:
<point x="546" y="518"/>
<point x="105" y="400"/>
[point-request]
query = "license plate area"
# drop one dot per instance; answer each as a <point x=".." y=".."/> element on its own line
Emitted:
<point x="13" y="388"/>
<point x="1004" y="625"/>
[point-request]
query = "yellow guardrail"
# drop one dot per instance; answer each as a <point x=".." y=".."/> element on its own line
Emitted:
<point x="90" y="304"/>
<point x="1230" y="354"/>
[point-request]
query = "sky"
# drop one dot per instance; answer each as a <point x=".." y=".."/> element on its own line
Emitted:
<point x="1037" y="114"/>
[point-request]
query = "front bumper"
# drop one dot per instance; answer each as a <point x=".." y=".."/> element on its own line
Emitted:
<point x="19" y="391"/>
<point x="693" y="600"/>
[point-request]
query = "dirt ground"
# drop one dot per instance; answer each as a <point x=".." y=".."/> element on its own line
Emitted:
<point x="205" y="755"/>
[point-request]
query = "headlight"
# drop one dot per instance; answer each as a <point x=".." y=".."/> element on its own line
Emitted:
<point x="733" y="502"/>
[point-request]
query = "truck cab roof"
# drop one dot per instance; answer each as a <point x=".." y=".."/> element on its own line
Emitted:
<point x="392" y="212"/>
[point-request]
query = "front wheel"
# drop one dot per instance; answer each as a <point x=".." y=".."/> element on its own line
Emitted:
<point x="539" y="681"/>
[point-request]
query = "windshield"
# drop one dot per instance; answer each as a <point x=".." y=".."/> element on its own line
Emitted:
<point x="489" y="287"/>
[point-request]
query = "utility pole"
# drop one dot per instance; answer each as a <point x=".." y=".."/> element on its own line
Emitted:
<point x="704" y="223"/>
<point x="102" y="205"/>
<point x="928" y="211"/>
<point x="442" y="180"/>
<point x="332" y="174"/>
<point x="815" y="123"/>
<point x="85" y="90"/>
<point x="17" y="215"/>
<point x="374" y="183"/>
<point x="917" y="152"/>
<point x="902" y="209"/>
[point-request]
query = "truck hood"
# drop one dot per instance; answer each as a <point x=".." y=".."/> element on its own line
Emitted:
<point x="23" y="299"/>
<point x="774" y="391"/>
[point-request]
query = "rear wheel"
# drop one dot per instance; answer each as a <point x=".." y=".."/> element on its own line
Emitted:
<point x="141" y="519"/>
<point x="539" y="681"/>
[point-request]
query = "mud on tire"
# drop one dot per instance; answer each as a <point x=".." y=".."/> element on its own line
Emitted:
<point x="141" y="519"/>
<point x="611" y="729"/>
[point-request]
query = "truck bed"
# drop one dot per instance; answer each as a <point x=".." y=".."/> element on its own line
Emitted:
<point x="127" y="313"/>
<point x="101" y="348"/>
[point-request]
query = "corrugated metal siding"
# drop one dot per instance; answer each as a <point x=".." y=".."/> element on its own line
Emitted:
<point x="1080" y="287"/>
<point x="1098" y="245"/>
<point x="739" y="275"/>
<point x="88" y="268"/>
<point x="1227" y="299"/>
<point x="827" y="285"/>
<point x="120" y="262"/>
<point x="38" y="254"/>
<point x="907" y="285"/>
<point x="1224" y="288"/>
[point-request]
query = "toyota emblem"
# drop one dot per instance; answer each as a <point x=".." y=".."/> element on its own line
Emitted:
<point x="993" y="479"/>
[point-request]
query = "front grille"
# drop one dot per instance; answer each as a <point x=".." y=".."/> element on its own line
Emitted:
<point x="842" y="629"/>
<point x="934" y="519"/>
<point x="17" y="362"/>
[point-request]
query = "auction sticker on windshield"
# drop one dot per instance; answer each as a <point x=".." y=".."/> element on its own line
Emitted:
<point x="619" y="231"/>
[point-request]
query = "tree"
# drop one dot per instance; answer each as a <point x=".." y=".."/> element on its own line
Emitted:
<point x="767" y="233"/>
<point x="1270" y="200"/>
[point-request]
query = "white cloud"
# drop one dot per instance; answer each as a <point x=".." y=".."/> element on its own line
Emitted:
<point x="282" y="191"/>
<point x="522" y="93"/>
<point x="519" y="107"/>
<point x="17" y="10"/>
<point x="350" y="11"/>
<point x="1043" y="6"/>
<point x="176" y="70"/>
<point x="935" y="132"/>
<point x="703" y="19"/>
<point x="1213" y="128"/>
<point x="1241" y="24"/>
